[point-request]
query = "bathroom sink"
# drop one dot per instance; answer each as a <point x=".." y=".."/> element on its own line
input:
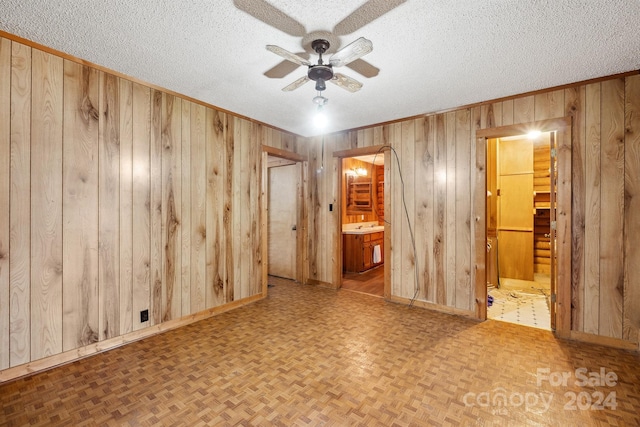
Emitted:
<point x="365" y="230"/>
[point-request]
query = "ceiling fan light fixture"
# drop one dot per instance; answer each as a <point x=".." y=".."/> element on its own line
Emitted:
<point x="320" y="100"/>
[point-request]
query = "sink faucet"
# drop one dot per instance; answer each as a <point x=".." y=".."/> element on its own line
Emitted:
<point x="359" y="227"/>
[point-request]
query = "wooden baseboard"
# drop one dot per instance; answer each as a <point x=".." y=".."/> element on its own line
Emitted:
<point x="606" y="341"/>
<point x="435" y="307"/>
<point x="50" y="362"/>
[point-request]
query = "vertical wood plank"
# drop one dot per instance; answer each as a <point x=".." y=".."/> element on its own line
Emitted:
<point x="109" y="207"/>
<point x="5" y="184"/>
<point x="46" y="205"/>
<point x="236" y="213"/>
<point x="497" y="115"/>
<point x="324" y="192"/>
<point x="304" y="246"/>
<point x="20" y="206"/>
<point x="397" y="210"/>
<point x="439" y="222"/>
<point x="424" y="129"/>
<point x="310" y="201"/>
<point x="548" y="105"/>
<point x="631" y="303"/>
<point x="301" y="237"/>
<point x="142" y="263"/>
<point x="276" y="138"/>
<point x="367" y="137"/>
<point x="451" y="216"/>
<point x="217" y="168"/>
<point x="156" y="213"/>
<point x="523" y="109"/>
<point x="80" y="206"/>
<point x="591" y="301"/>
<point x="171" y="203"/>
<point x="198" y="208"/>
<point x="228" y="145"/>
<point x="185" y="209"/>
<point x="563" y="233"/>
<point x="126" y="206"/>
<point x="463" y="209"/>
<point x="575" y="108"/>
<point x="334" y="233"/>
<point x="246" y="251"/>
<point x="477" y="252"/>
<point x="612" y="208"/>
<point x="409" y="287"/>
<point x="479" y="221"/>
<point x="288" y="140"/>
<point x="255" y="198"/>
<point x="507" y="112"/>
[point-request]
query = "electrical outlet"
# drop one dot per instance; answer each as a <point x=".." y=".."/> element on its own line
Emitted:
<point x="144" y="316"/>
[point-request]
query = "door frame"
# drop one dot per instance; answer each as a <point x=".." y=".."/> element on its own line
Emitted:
<point x="337" y="248"/>
<point x="562" y="127"/>
<point x="301" y="217"/>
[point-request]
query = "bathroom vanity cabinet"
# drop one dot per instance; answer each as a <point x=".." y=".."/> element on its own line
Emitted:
<point x="358" y="250"/>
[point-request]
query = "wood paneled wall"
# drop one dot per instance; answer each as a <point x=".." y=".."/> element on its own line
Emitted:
<point x="437" y="158"/>
<point x="115" y="198"/>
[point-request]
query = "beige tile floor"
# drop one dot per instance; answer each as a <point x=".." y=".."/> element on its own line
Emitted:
<point x="520" y="308"/>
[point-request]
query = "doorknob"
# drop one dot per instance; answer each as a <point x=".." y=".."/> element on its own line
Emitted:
<point x="293" y="227"/>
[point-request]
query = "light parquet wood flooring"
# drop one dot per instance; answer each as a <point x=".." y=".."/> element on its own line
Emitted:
<point x="313" y="356"/>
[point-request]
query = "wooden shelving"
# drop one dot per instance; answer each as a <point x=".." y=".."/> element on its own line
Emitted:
<point x="541" y="208"/>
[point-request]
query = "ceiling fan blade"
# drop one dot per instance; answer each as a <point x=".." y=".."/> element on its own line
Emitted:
<point x="364" y="68"/>
<point x="295" y="85"/>
<point x="346" y="82"/>
<point x="351" y="52"/>
<point x="368" y="12"/>
<point x="271" y="15"/>
<point x="282" y="69"/>
<point x="287" y="55"/>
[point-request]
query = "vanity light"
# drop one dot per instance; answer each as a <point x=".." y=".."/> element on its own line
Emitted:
<point x="357" y="172"/>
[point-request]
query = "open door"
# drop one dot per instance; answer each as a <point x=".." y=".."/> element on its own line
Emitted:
<point x="515" y="204"/>
<point x="282" y="218"/>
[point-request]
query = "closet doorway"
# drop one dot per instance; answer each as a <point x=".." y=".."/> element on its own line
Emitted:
<point x="560" y="231"/>
<point x="521" y="174"/>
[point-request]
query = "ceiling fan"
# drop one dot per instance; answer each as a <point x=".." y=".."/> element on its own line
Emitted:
<point x="321" y="72"/>
<point x="367" y="12"/>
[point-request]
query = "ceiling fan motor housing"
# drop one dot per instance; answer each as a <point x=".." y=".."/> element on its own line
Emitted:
<point x="320" y="73"/>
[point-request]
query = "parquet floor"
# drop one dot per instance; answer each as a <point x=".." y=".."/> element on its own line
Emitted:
<point x="314" y="356"/>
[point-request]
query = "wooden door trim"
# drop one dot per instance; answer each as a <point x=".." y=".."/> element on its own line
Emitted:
<point x="563" y="211"/>
<point x="301" y="215"/>
<point x="337" y="249"/>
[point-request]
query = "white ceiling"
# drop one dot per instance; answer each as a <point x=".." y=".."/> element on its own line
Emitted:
<point x="432" y="55"/>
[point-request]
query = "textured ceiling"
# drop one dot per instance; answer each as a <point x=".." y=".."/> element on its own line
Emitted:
<point x="431" y="55"/>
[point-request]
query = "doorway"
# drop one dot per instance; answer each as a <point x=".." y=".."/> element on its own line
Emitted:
<point x="284" y="240"/>
<point x="282" y="220"/>
<point x="521" y="241"/>
<point x="362" y="224"/>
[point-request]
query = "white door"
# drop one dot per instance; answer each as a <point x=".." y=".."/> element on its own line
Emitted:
<point x="282" y="205"/>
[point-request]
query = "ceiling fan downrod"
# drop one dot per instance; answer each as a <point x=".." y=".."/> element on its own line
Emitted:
<point x="320" y="73"/>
